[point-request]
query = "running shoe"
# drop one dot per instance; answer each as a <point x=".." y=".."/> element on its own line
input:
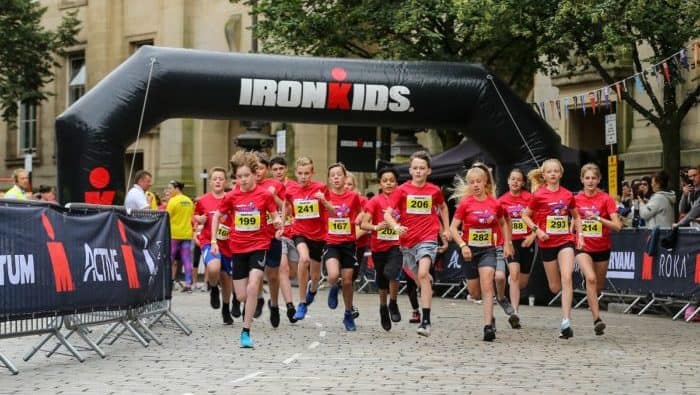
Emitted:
<point x="226" y="315"/>
<point x="274" y="314"/>
<point x="384" y="317"/>
<point x="489" y="333"/>
<point x="506" y="306"/>
<point x="186" y="289"/>
<point x="514" y="321"/>
<point x="355" y="312"/>
<point x="333" y="297"/>
<point x="259" y="308"/>
<point x="565" y="330"/>
<point x="394" y="311"/>
<point x="246" y="341"/>
<point x="291" y="312"/>
<point x="423" y="330"/>
<point x="415" y="317"/>
<point x="493" y="324"/>
<point x="235" y="308"/>
<point x="309" y="295"/>
<point x="599" y="327"/>
<point x="349" y="322"/>
<point x="214" y="299"/>
<point x="301" y="312"/>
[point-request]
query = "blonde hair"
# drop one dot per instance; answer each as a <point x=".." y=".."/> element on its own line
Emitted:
<point x="590" y="167"/>
<point x="536" y="176"/>
<point x="461" y="186"/>
<point x="215" y="169"/>
<point x="244" y="158"/>
<point x="304" y="161"/>
<point x="351" y="176"/>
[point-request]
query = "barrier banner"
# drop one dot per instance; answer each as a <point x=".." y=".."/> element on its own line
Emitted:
<point x="448" y="266"/>
<point x="667" y="272"/>
<point x="54" y="261"/>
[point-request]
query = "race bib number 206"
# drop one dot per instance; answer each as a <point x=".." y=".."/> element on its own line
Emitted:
<point x="419" y="204"/>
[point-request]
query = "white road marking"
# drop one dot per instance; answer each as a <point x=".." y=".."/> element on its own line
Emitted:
<point x="246" y="377"/>
<point x="322" y="333"/>
<point x="291" y="359"/>
<point x="319" y="325"/>
<point x="314" y="345"/>
<point x="289" y="378"/>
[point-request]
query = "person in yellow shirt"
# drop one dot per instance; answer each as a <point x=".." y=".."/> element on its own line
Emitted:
<point x="180" y="209"/>
<point x="19" y="190"/>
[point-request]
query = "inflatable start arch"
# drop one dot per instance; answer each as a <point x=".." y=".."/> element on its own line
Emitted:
<point x="92" y="135"/>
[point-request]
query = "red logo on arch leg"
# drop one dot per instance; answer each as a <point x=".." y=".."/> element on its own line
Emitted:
<point x="99" y="178"/>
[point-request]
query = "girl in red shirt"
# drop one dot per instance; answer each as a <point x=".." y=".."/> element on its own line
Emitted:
<point x="308" y="230"/>
<point x="480" y="216"/>
<point x="599" y="215"/>
<point x="339" y="255"/>
<point x="514" y="202"/>
<point x="384" y="243"/>
<point x="248" y="205"/>
<point x="548" y="215"/>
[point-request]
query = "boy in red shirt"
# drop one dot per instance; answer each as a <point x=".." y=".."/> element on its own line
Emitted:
<point x="422" y="211"/>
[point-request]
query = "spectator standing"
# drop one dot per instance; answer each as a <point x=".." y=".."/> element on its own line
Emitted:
<point x="658" y="210"/>
<point x="689" y="206"/>
<point x="136" y="197"/>
<point x="19" y="190"/>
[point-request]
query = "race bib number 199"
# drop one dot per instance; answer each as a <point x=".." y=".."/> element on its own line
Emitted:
<point x="419" y="204"/>
<point x="247" y="221"/>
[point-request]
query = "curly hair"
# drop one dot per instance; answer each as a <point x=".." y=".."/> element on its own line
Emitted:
<point x="244" y="159"/>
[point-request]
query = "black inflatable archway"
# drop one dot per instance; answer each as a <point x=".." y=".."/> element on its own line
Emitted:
<point x="92" y="135"/>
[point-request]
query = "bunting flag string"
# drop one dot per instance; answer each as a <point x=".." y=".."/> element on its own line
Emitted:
<point x="599" y="100"/>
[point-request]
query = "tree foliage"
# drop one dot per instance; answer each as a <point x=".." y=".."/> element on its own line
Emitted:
<point x="474" y="31"/>
<point x="27" y="52"/>
<point x="584" y="34"/>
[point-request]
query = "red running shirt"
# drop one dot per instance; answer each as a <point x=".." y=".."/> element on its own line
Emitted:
<point x="514" y="206"/>
<point x="363" y="241"/>
<point x="248" y="210"/>
<point x="280" y="192"/>
<point x="207" y="205"/>
<point x="383" y="239"/>
<point x="596" y="236"/>
<point x="480" y="221"/>
<point x="309" y="213"/>
<point x="551" y="212"/>
<point x="418" y="209"/>
<point x="341" y="223"/>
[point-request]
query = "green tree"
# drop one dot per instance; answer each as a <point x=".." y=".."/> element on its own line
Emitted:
<point x="475" y="31"/>
<point x="27" y="52"/>
<point x="584" y="34"/>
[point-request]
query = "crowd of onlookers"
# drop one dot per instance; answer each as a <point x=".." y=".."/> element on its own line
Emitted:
<point x="648" y="201"/>
<point x="644" y="202"/>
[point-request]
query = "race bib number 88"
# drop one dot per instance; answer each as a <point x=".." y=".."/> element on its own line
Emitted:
<point x="518" y="226"/>
<point x="419" y="204"/>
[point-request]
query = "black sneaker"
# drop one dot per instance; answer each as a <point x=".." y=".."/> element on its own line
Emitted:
<point x="214" y="299"/>
<point x="415" y="317"/>
<point x="489" y="333"/>
<point x="599" y="327"/>
<point x="355" y="312"/>
<point x="506" y="306"/>
<point x="394" y="311"/>
<point x="228" y="320"/>
<point x="514" y="321"/>
<point x="384" y="316"/>
<point x="291" y="311"/>
<point x="274" y="314"/>
<point x="235" y="308"/>
<point x="565" y="331"/>
<point x="259" y="308"/>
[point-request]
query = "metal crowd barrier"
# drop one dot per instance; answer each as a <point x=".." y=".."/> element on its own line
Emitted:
<point x="137" y="321"/>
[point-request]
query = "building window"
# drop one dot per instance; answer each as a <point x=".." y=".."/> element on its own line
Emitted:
<point x="26" y="130"/>
<point x="77" y="75"/>
<point x="135" y="45"/>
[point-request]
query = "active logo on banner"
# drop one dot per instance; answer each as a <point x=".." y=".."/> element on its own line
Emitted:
<point x="336" y="95"/>
<point x="621" y="265"/>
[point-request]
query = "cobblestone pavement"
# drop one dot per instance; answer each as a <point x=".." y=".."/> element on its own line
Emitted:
<point x="636" y="355"/>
